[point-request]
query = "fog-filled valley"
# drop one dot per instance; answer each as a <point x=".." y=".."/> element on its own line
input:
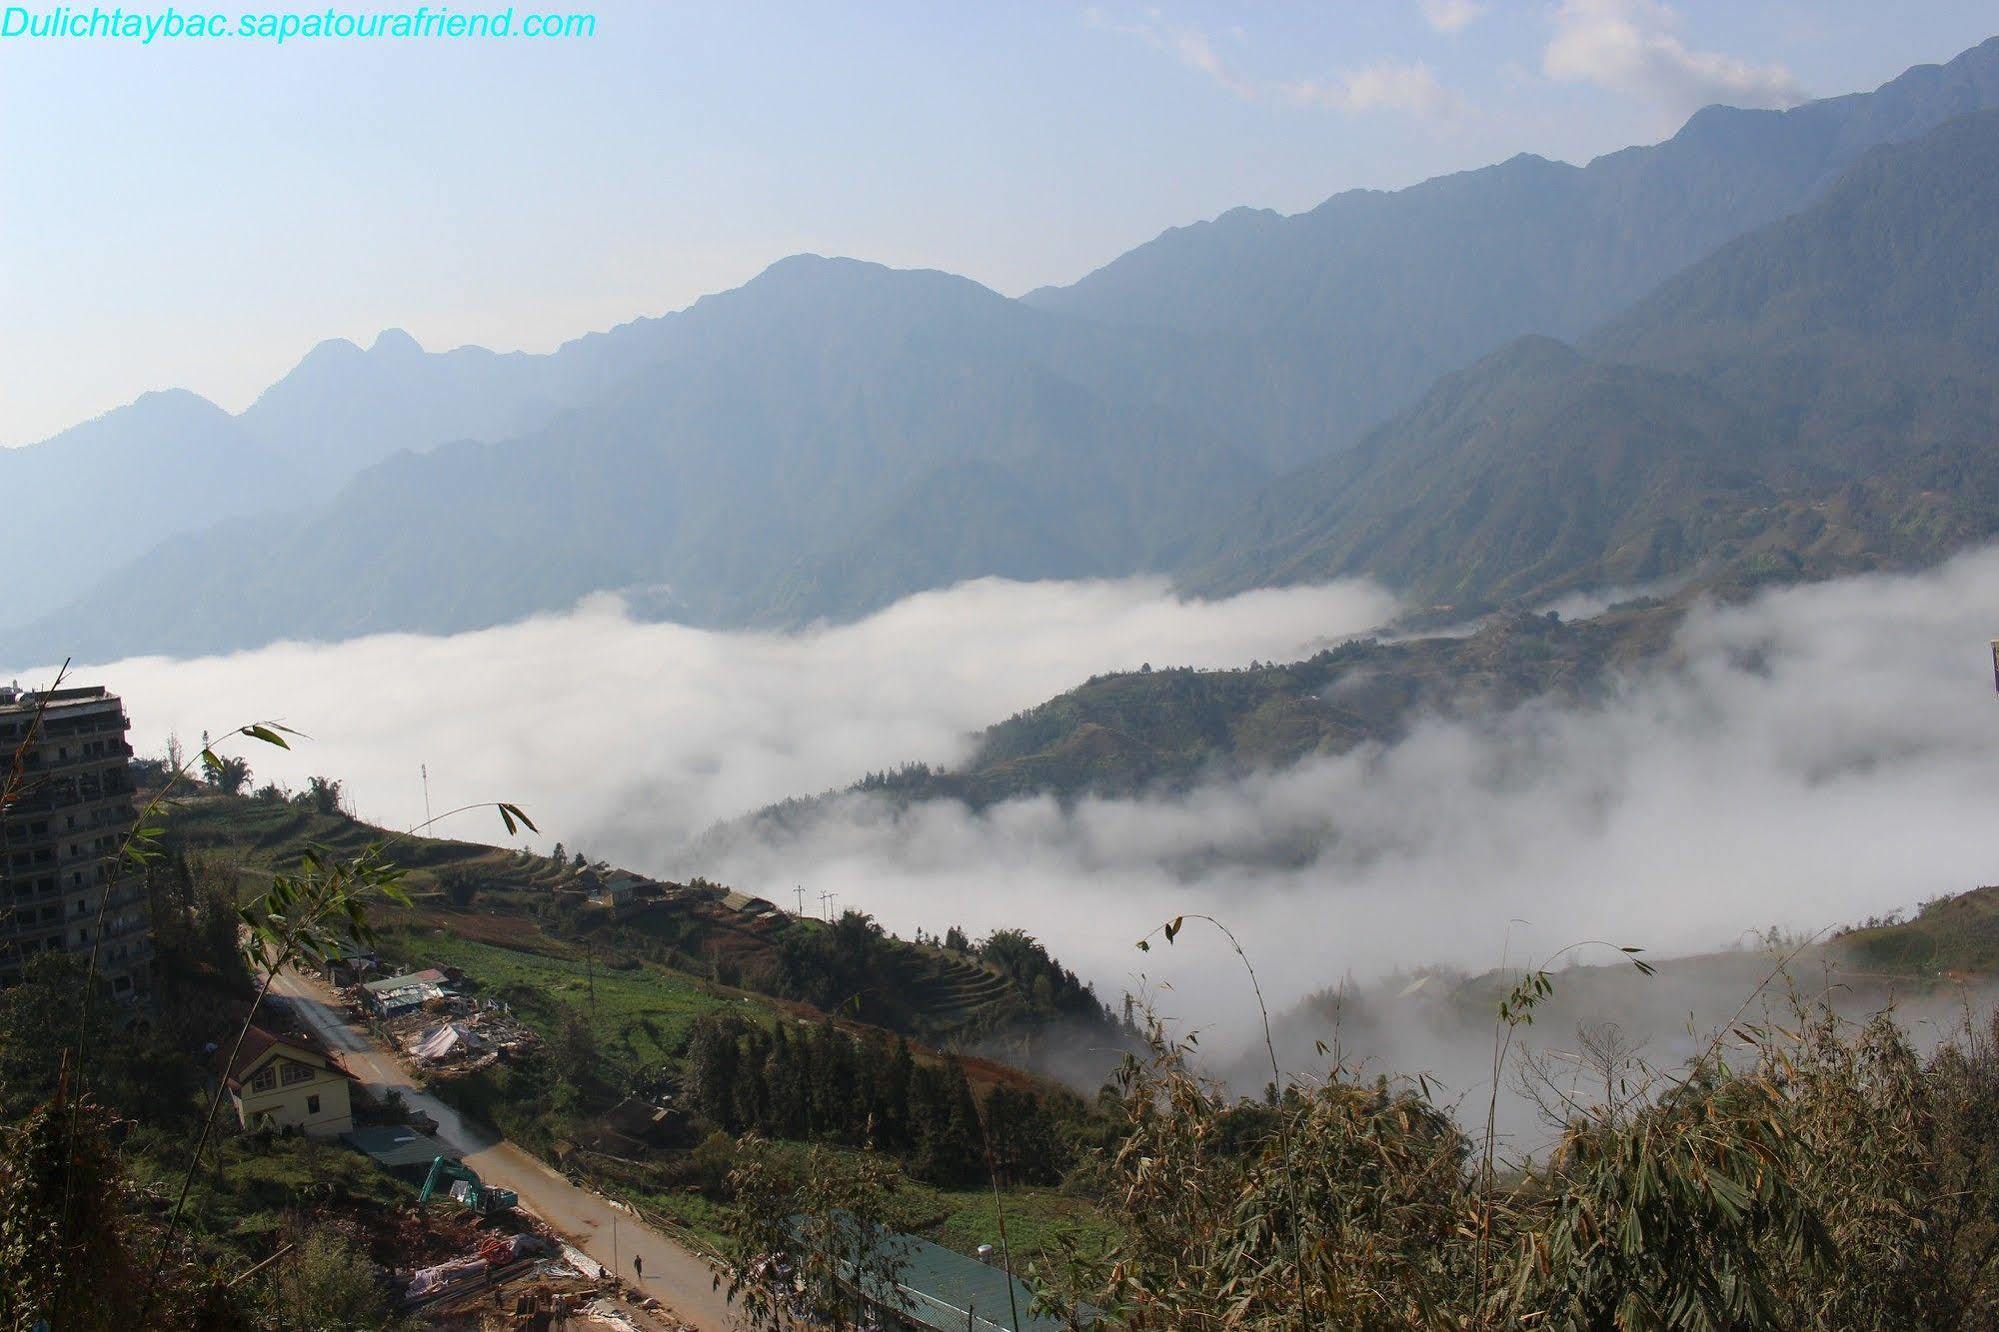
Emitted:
<point x="1813" y="757"/>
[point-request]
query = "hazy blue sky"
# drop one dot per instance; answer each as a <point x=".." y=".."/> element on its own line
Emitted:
<point x="199" y="214"/>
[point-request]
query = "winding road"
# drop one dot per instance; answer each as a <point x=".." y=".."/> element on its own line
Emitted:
<point x="674" y="1275"/>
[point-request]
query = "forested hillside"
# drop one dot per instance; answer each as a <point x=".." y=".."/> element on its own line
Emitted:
<point x="1162" y="729"/>
<point x="1817" y="398"/>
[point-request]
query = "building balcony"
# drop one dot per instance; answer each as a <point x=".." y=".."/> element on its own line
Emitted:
<point x="66" y="794"/>
<point x="110" y="721"/>
<point x="136" y="955"/>
<point x="82" y="911"/>
<point x="26" y="864"/>
<point x="44" y="763"/>
<point x="19" y="889"/>
<point x="137" y="925"/>
<point x="34" y="932"/>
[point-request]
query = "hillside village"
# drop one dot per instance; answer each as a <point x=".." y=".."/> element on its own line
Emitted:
<point x="456" y="995"/>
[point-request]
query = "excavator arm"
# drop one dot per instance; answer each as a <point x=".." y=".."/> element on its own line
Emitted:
<point x="478" y="1196"/>
<point x="442" y="1171"/>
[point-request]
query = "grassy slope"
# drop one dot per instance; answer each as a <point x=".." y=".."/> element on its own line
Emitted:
<point x="637" y="1015"/>
<point x="937" y="988"/>
<point x="1948" y="952"/>
<point x="1948" y="938"/>
<point x="1038" y="1220"/>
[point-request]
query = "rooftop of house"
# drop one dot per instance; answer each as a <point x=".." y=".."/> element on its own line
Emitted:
<point x="940" y="1288"/>
<point x="258" y="1041"/>
<point x="14" y="699"/>
<point x="408" y="980"/>
<point x="398" y="1145"/>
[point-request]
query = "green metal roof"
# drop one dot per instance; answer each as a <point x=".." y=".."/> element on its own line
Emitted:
<point x="395" y="1146"/>
<point x="944" y="1289"/>
<point x="408" y="980"/>
<point x="940" y="1288"/>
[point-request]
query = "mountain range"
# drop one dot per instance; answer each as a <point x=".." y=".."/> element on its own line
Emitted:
<point x="1816" y="397"/>
<point x="1760" y="348"/>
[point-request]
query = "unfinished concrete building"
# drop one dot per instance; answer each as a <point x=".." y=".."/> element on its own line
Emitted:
<point x="64" y="766"/>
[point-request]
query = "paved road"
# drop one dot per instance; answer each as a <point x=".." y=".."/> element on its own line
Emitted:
<point x="673" y="1275"/>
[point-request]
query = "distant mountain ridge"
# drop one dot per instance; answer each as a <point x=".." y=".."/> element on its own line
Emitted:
<point x="1818" y="397"/>
<point x="824" y="404"/>
<point x="1360" y="303"/>
<point x="834" y="435"/>
<point x="167" y="464"/>
<point x="174" y="463"/>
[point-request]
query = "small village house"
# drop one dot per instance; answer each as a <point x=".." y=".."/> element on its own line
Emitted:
<point x="399" y="994"/>
<point x="349" y="963"/>
<point x="282" y="1082"/>
<point x="620" y="890"/>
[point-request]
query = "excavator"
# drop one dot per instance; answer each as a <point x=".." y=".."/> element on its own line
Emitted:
<point x="481" y="1197"/>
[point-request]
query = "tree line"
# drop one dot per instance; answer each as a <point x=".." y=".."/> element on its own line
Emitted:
<point x="815" y="1083"/>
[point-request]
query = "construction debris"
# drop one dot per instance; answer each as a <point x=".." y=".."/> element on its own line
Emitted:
<point x="443" y="1032"/>
<point x="568" y="1293"/>
<point x="445" y="1041"/>
<point x="428" y="1282"/>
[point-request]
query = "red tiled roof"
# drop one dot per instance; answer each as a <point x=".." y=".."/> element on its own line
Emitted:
<point x="257" y="1042"/>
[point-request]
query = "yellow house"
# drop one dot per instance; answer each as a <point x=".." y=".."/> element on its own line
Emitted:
<point x="285" y="1083"/>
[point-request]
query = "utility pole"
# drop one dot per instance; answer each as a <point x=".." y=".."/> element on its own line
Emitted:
<point x="831" y="898"/>
<point x="424" y="768"/>
<point x="825" y="910"/>
<point x="800" y="890"/>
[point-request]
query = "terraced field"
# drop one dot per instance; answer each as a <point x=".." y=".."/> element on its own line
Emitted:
<point x="266" y="835"/>
<point x="950" y="996"/>
<point x="956" y="992"/>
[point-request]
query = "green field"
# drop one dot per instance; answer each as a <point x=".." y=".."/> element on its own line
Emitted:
<point x="1037" y="1220"/>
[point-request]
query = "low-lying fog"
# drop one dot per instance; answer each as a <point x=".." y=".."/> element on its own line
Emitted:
<point x="1816" y="756"/>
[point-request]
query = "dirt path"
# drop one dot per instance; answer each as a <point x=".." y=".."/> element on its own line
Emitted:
<point x="673" y="1275"/>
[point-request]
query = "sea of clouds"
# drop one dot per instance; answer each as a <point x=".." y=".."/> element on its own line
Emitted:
<point x="1815" y="756"/>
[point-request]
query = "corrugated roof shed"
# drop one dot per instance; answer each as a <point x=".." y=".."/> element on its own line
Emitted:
<point x="942" y="1289"/>
<point x="428" y="976"/>
<point x="397" y="1146"/>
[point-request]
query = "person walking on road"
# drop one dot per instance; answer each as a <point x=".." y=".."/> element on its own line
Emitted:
<point x="638" y="1267"/>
